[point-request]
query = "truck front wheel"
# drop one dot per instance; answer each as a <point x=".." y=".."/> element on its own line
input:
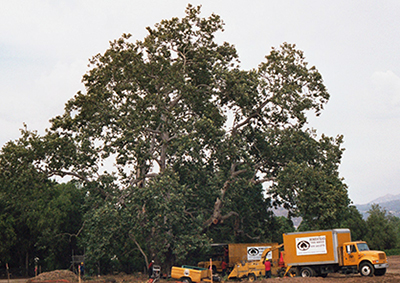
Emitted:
<point x="366" y="269"/>
<point x="380" y="272"/>
<point x="306" y="272"/>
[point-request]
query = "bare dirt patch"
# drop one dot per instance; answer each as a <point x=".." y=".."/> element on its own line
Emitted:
<point x="55" y="276"/>
<point x="64" y="276"/>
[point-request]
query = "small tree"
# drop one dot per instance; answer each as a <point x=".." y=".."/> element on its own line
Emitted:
<point x="353" y="220"/>
<point x="38" y="217"/>
<point x="381" y="232"/>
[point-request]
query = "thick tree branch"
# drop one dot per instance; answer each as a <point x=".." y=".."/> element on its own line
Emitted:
<point x="140" y="249"/>
<point x="217" y="216"/>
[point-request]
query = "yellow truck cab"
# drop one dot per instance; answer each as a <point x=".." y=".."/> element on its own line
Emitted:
<point x="358" y="256"/>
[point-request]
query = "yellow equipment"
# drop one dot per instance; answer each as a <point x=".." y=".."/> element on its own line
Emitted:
<point x="253" y="269"/>
<point x="189" y="274"/>
<point x="234" y="253"/>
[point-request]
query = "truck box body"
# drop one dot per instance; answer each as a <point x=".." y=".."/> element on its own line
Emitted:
<point x="314" y="248"/>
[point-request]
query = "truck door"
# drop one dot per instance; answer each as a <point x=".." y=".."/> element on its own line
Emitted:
<point x="350" y="255"/>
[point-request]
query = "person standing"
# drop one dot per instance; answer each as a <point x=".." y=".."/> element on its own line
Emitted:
<point x="267" y="264"/>
<point x="150" y="269"/>
<point x="224" y="265"/>
<point x="82" y="268"/>
<point x="226" y="254"/>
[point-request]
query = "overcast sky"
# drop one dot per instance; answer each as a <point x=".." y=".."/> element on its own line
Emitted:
<point x="45" y="47"/>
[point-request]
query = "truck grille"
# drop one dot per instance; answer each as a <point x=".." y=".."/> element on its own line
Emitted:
<point x="382" y="256"/>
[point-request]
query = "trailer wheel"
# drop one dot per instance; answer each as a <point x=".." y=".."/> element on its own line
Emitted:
<point x="366" y="269"/>
<point x="214" y="269"/>
<point x="306" y="272"/>
<point x="252" y="277"/>
<point x="185" y="280"/>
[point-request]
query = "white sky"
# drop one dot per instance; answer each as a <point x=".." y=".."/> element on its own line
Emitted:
<point x="45" y="47"/>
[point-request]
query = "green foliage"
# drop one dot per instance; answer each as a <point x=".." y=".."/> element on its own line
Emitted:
<point x="381" y="233"/>
<point x="37" y="216"/>
<point x="278" y="227"/>
<point x="353" y="220"/>
<point x="395" y="221"/>
<point x="309" y="186"/>
<point x="392" y="252"/>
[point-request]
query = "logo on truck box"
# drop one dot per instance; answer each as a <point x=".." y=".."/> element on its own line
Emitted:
<point x="311" y="245"/>
<point x="254" y="253"/>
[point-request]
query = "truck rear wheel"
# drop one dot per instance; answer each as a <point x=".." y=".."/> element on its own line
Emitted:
<point x="185" y="280"/>
<point x="366" y="269"/>
<point x="306" y="272"/>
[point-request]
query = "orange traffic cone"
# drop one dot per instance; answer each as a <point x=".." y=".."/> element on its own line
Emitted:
<point x="281" y="263"/>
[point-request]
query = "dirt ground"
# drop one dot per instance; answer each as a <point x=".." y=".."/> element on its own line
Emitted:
<point x="61" y="276"/>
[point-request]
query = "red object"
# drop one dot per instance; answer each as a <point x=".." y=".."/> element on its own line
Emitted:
<point x="281" y="263"/>
<point x="226" y="252"/>
<point x="267" y="264"/>
<point x="224" y="265"/>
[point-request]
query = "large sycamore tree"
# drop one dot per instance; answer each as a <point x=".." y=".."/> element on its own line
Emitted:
<point x="178" y="146"/>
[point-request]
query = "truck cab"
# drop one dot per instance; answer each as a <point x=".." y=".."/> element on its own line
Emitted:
<point x="357" y="255"/>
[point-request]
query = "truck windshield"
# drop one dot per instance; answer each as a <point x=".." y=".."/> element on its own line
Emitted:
<point x="362" y="247"/>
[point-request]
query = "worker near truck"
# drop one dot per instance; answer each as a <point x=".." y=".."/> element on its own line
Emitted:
<point x="150" y="268"/>
<point x="224" y="266"/>
<point x="267" y="265"/>
<point x="226" y="253"/>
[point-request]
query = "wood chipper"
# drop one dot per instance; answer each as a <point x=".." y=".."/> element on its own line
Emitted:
<point x="253" y="269"/>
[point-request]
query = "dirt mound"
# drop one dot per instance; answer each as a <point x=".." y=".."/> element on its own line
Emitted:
<point x="65" y="276"/>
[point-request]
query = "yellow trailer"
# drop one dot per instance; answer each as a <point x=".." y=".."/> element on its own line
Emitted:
<point x="189" y="274"/>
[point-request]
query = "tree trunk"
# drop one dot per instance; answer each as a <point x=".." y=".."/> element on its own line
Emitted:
<point x="27" y="264"/>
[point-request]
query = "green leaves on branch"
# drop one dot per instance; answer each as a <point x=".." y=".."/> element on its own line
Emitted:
<point x="309" y="185"/>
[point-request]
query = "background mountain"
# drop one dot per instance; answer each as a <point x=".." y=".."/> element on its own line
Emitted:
<point x="389" y="202"/>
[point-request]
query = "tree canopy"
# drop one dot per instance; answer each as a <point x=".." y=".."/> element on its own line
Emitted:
<point x="381" y="233"/>
<point x="176" y="146"/>
<point x="38" y="217"/>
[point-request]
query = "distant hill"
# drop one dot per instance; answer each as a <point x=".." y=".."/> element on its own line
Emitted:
<point x="389" y="202"/>
<point x="386" y="198"/>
